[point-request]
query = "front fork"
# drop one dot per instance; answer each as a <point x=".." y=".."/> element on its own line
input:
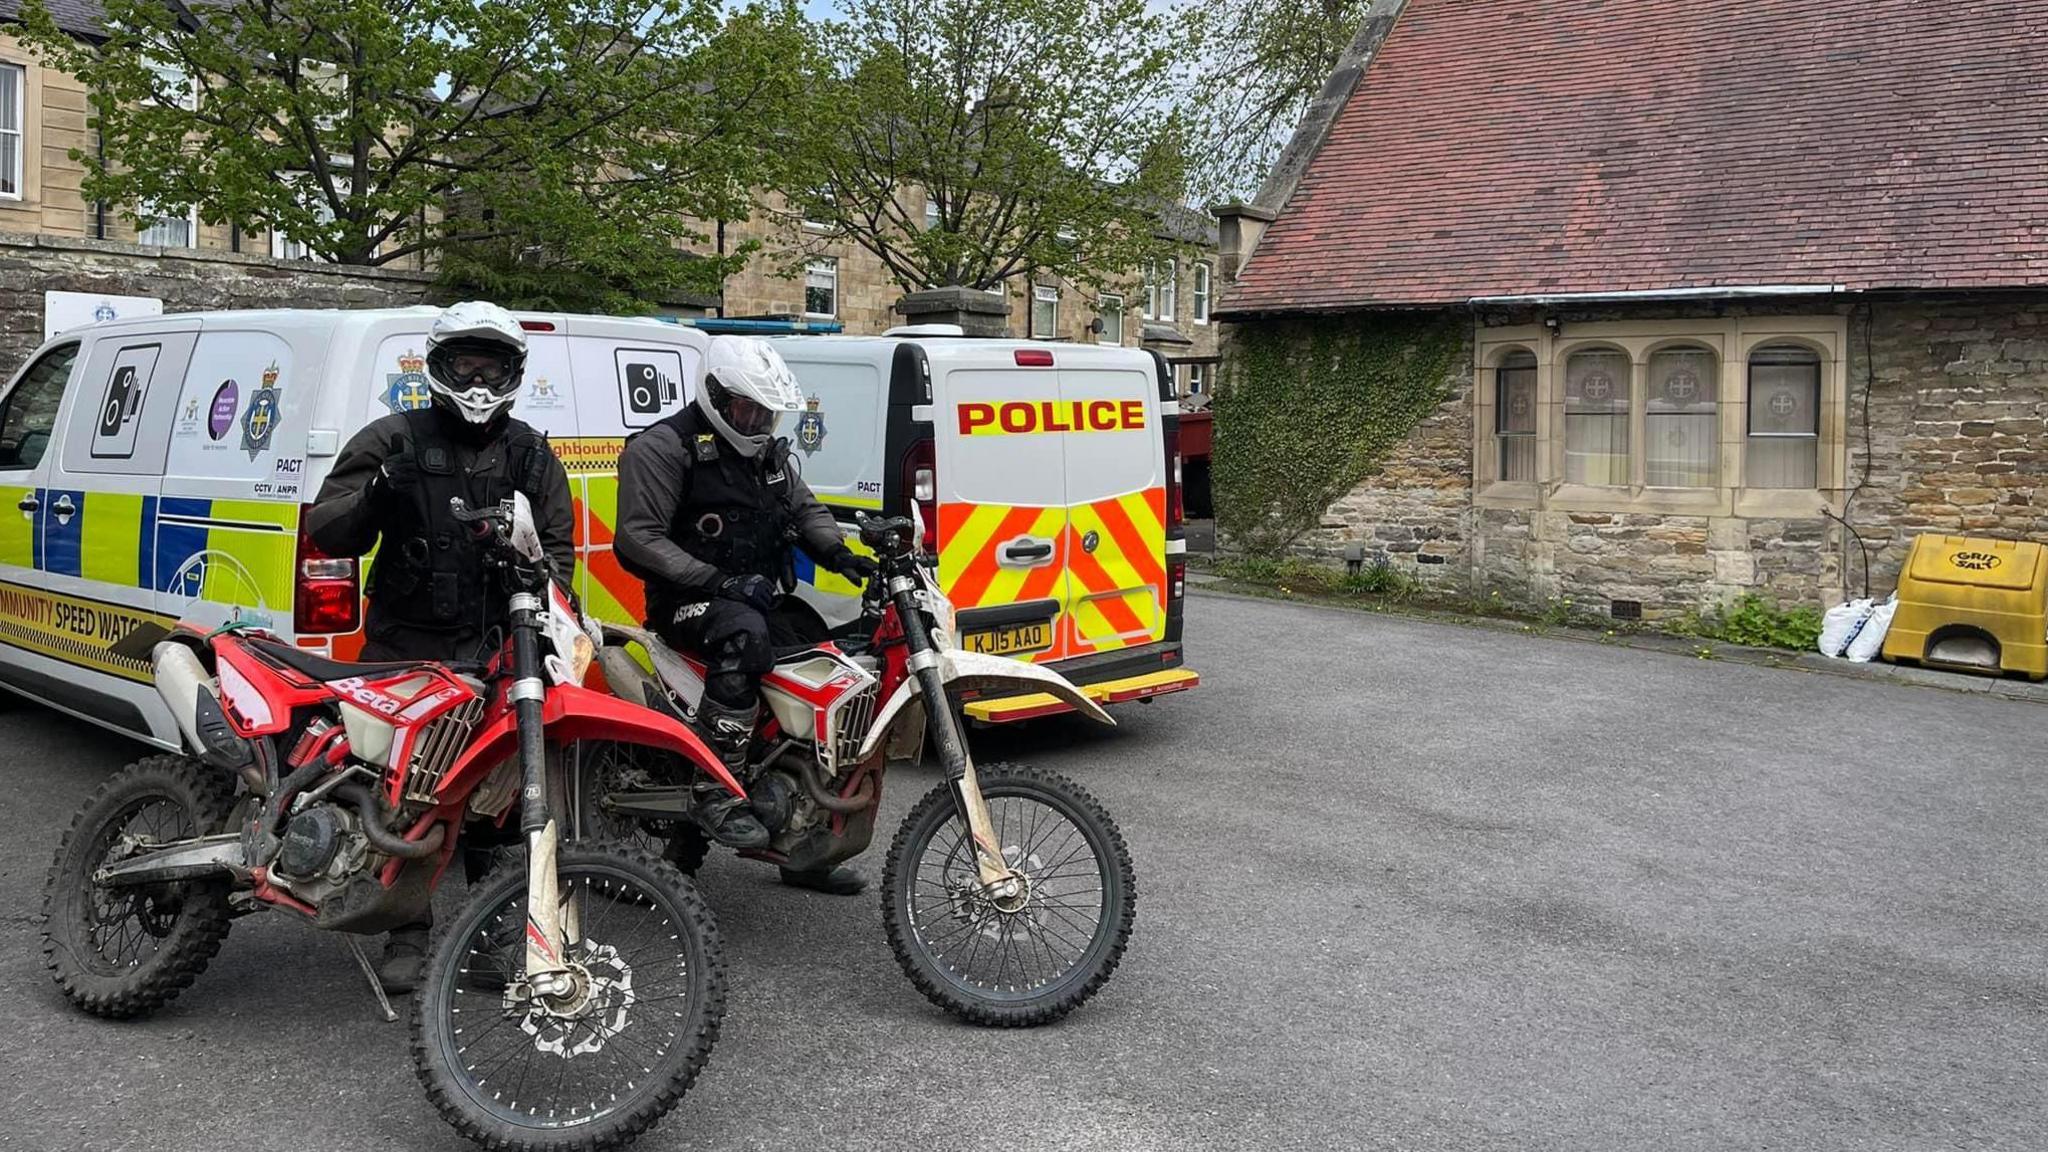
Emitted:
<point x="997" y="877"/>
<point x="549" y="925"/>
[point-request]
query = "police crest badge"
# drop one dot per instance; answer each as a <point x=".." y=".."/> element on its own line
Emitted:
<point x="406" y="390"/>
<point x="259" y="423"/>
<point x="810" y="428"/>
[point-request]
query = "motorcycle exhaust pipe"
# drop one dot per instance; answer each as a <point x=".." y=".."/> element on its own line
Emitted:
<point x="379" y="834"/>
<point x="807" y="771"/>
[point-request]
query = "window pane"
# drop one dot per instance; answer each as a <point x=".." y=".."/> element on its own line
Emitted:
<point x="1784" y="419"/>
<point x="1680" y="422"/>
<point x="1201" y="291"/>
<point x="1111" y="309"/>
<point x="31" y="409"/>
<point x="1596" y="398"/>
<point x="821" y="288"/>
<point x="10" y="129"/>
<point x="1045" y="311"/>
<point x="1514" y="415"/>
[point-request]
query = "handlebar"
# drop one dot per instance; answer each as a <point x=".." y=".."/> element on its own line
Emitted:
<point x="887" y="535"/>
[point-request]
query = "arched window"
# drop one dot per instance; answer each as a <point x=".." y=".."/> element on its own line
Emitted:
<point x="1514" y="415"/>
<point x="1681" y="437"/>
<point x="1596" y="399"/>
<point x="1784" y="418"/>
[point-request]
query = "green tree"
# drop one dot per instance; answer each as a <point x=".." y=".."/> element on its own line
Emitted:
<point x="1262" y="62"/>
<point x="1037" y="130"/>
<point x="588" y="133"/>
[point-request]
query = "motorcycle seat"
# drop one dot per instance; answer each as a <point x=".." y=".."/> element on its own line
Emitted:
<point x="320" y="668"/>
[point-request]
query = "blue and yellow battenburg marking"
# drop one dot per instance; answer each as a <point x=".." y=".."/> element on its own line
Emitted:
<point x="233" y="551"/>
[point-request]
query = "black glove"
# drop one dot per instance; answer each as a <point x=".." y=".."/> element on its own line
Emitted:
<point x="758" y="592"/>
<point x="854" y="566"/>
<point x="400" y="472"/>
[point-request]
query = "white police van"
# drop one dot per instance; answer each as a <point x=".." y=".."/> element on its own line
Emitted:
<point x="156" y="469"/>
<point x="1048" y="475"/>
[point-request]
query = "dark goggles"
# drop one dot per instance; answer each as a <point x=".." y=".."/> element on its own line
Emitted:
<point x="469" y="366"/>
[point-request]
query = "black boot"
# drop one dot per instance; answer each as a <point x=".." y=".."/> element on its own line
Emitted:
<point x="830" y="881"/>
<point x="724" y="817"/>
<point x="405" y="956"/>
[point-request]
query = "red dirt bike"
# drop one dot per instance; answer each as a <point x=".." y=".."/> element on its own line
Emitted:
<point x="1008" y="895"/>
<point x="568" y="1004"/>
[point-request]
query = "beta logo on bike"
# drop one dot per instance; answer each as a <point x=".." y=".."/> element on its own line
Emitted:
<point x="1022" y="418"/>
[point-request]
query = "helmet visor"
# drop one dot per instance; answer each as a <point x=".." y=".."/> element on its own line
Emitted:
<point x="477" y="365"/>
<point x="748" y="418"/>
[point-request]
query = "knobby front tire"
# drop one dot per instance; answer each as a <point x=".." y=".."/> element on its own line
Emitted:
<point x="1015" y="968"/>
<point x="508" y="1077"/>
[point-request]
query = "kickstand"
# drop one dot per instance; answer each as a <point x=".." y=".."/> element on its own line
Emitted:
<point x="355" y="948"/>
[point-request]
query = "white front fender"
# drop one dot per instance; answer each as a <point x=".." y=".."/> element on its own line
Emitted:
<point x="991" y="676"/>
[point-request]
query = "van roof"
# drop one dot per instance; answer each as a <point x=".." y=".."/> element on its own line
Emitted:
<point x="312" y="317"/>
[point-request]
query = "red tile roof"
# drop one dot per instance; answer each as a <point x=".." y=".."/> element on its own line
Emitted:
<point x="1518" y="147"/>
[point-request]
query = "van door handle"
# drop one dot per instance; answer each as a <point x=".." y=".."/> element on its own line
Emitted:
<point x="1026" y="552"/>
<point x="64" y="506"/>
<point x="29" y="503"/>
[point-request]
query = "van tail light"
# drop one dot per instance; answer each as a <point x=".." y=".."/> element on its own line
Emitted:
<point x="1176" y="512"/>
<point x="327" y="597"/>
<point x="921" y="481"/>
<point x="1034" y="358"/>
<point x="1177" y="580"/>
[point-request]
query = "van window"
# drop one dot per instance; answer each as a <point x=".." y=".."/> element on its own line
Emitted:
<point x="836" y="439"/>
<point x="232" y="414"/>
<point x="29" y="413"/>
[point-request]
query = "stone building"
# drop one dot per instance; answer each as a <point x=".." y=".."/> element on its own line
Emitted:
<point x="43" y="119"/>
<point x="1747" y="292"/>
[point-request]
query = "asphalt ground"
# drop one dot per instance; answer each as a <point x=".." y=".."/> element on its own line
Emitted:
<point x="1404" y="885"/>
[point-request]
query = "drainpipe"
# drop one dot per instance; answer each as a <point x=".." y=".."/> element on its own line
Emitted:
<point x="99" y="207"/>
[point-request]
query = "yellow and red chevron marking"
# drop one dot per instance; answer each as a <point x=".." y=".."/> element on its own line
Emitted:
<point x="609" y="591"/>
<point x="1117" y="592"/>
<point x="1111" y="596"/>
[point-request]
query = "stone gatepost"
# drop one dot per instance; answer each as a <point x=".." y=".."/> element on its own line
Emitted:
<point x="976" y="312"/>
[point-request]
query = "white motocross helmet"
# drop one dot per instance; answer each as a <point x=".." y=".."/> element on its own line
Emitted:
<point x="747" y="389"/>
<point x="475" y="356"/>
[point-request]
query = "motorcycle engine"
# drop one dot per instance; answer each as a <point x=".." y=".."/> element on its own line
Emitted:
<point x="323" y="846"/>
<point x="774" y="796"/>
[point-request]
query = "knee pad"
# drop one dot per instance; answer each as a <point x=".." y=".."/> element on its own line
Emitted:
<point x="730" y="689"/>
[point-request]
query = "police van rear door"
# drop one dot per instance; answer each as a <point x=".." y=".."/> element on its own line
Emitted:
<point x="1002" y="487"/>
<point x="1115" y="547"/>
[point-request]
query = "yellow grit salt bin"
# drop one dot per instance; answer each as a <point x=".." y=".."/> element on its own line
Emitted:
<point x="1974" y="605"/>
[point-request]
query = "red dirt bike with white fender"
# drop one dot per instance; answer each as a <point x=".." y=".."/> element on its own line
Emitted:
<point x="573" y="998"/>
<point x="1008" y="894"/>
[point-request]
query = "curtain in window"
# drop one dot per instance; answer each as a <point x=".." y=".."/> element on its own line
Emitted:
<point x="1784" y="419"/>
<point x="1681" y="441"/>
<point x="1514" y="415"/>
<point x="1596" y="402"/>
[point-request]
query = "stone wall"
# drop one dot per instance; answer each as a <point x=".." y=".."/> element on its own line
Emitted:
<point x="1957" y="442"/>
<point x="184" y="280"/>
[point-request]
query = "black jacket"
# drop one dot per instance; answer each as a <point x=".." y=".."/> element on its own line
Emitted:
<point x="654" y="480"/>
<point x="352" y="515"/>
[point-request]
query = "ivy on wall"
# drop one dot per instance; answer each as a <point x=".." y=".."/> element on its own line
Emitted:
<point x="1306" y="409"/>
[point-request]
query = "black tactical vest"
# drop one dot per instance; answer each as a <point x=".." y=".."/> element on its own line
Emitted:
<point x="429" y="572"/>
<point x="734" y="510"/>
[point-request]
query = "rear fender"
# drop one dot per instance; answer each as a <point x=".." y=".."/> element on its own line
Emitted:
<point x="571" y="713"/>
<point x="682" y="681"/>
<point x="990" y="675"/>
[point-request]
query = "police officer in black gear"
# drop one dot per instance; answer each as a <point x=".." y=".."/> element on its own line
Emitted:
<point x="430" y="594"/>
<point x="708" y="504"/>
